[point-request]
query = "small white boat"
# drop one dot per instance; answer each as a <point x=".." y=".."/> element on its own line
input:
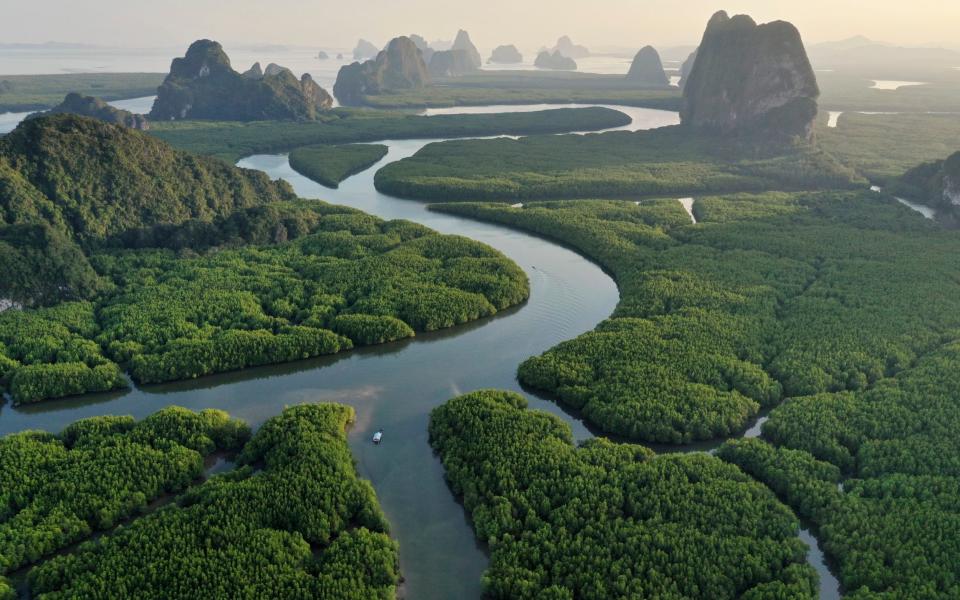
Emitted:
<point x="377" y="437"/>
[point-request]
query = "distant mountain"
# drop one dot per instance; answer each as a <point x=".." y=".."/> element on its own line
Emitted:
<point x="365" y="50"/>
<point x="555" y="61"/>
<point x="647" y="69"/>
<point x="505" y="55"/>
<point x="451" y="63"/>
<point x="566" y="47"/>
<point x="864" y="54"/>
<point x="463" y="42"/>
<point x="399" y="67"/>
<point x="88" y="106"/>
<point x="203" y="85"/>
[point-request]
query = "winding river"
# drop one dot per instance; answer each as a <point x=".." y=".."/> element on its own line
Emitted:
<point x="394" y="386"/>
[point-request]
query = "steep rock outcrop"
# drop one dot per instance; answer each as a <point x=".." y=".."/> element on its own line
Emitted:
<point x="505" y="55"/>
<point x="751" y="79"/>
<point x="566" y="47"/>
<point x="423" y="46"/>
<point x="555" y="61"/>
<point x="88" y="106"/>
<point x="203" y="85"/>
<point x="647" y="69"/>
<point x="451" y="63"/>
<point x="462" y="42"/>
<point x="399" y="67"/>
<point x="365" y="50"/>
<point x="686" y="68"/>
<point x="254" y="72"/>
<point x="936" y="184"/>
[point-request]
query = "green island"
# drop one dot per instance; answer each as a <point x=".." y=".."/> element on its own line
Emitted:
<point x="330" y="165"/>
<point x="232" y="140"/>
<point x="669" y="160"/>
<point x="209" y="287"/>
<point x="768" y="296"/>
<point x="98" y="472"/>
<point x="527" y="87"/>
<point x="23" y="93"/>
<point x="852" y="89"/>
<point x="839" y="301"/>
<point x="606" y="520"/>
<point x="292" y="520"/>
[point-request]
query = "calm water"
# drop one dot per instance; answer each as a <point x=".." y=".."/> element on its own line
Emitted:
<point x="393" y="387"/>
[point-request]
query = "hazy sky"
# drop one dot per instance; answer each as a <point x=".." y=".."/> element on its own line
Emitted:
<point x="528" y="23"/>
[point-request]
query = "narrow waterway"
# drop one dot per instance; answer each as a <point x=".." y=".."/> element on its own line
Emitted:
<point x="393" y="387"/>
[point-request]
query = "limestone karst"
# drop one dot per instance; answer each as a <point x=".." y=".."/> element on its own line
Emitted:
<point x="203" y="85"/>
<point x="647" y="69"/>
<point x="751" y="79"/>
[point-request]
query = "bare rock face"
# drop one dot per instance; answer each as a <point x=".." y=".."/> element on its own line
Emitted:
<point x="423" y="46"/>
<point x="751" y="79"/>
<point x="505" y="55"/>
<point x="462" y="42"/>
<point x="88" y="106"/>
<point x="686" y="68"/>
<point x="399" y="67"/>
<point x="451" y="63"/>
<point x="555" y="62"/>
<point x="647" y="69"/>
<point x="254" y="72"/>
<point x="203" y="85"/>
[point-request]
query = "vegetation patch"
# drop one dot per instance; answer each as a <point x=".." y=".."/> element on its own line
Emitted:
<point x="329" y="165"/>
<point x="293" y="521"/>
<point x="800" y="294"/>
<point x="23" y="93"/>
<point x="57" y="489"/>
<point x="231" y="140"/>
<point x="669" y="160"/>
<point x="607" y="520"/>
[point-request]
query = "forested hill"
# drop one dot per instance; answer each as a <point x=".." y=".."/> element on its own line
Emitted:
<point x="89" y="180"/>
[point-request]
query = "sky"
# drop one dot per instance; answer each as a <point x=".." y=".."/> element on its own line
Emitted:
<point x="527" y="23"/>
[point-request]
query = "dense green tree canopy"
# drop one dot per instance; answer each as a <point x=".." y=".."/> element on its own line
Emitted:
<point x="57" y="489"/>
<point x="668" y="160"/>
<point x="769" y="296"/>
<point x="607" y="520"/>
<point x="329" y="165"/>
<point x="294" y="521"/>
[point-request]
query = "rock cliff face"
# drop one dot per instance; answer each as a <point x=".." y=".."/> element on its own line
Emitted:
<point x="88" y="106"/>
<point x="751" y="79"/>
<point x="936" y="184"/>
<point x="364" y="50"/>
<point x="686" y="68"/>
<point x="451" y="63"/>
<point x="254" y="72"/>
<point x="462" y="42"/>
<point x="202" y="85"/>
<point x="647" y="69"/>
<point x="423" y="46"/>
<point x="555" y="61"/>
<point x="505" y="55"/>
<point x="399" y="67"/>
<point x="566" y="47"/>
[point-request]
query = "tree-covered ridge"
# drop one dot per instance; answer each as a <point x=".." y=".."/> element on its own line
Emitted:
<point x="294" y="522"/>
<point x="610" y="520"/>
<point x="274" y="283"/>
<point x="92" y="180"/>
<point x="232" y="140"/>
<point x="57" y="489"/>
<point x="799" y="294"/>
<point x="669" y="160"/>
<point x="50" y="352"/>
<point x="329" y="165"/>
